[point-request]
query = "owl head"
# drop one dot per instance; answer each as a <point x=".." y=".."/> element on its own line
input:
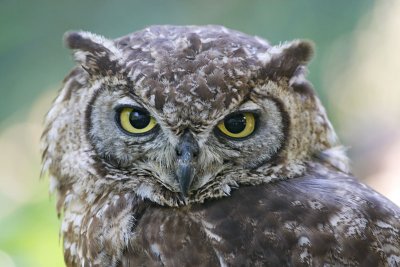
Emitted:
<point x="181" y="114"/>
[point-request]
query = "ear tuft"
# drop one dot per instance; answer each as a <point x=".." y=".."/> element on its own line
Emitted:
<point x="301" y="50"/>
<point x="96" y="54"/>
<point x="72" y="40"/>
<point x="286" y="59"/>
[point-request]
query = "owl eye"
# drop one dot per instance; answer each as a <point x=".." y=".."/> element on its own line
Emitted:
<point x="135" y="121"/>
<point x="238" y="125"/>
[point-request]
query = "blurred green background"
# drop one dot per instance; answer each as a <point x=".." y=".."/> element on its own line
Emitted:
<point x="33" y="62"/>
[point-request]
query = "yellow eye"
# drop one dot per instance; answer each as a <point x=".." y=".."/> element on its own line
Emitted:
<point x="238" y="125"/>
<point x="136" y="121"/>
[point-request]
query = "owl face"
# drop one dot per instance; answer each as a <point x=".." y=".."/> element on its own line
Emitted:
<point x="182" y="114"/>
<point x="130" y="134"/>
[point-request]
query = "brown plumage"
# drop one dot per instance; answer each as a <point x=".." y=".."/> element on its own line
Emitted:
<point x="203" y="146"/>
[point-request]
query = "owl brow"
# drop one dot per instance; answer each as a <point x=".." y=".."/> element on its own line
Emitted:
<point x="128" y="101"/>
<point x="248" y="105"/>
<point x="246" y="110"/>
<point x="138" y="100"/>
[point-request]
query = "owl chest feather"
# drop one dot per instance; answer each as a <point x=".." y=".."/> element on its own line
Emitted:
<point x="287" y="223"/>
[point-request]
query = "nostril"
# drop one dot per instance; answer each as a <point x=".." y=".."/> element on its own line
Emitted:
<point x="187" y="147"/>
<point x="187" y="150"/>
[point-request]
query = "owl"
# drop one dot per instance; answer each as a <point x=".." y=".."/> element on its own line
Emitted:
<point x="204" y="146"/>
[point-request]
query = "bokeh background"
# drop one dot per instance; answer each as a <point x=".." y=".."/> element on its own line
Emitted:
<point x="355" y="71"/>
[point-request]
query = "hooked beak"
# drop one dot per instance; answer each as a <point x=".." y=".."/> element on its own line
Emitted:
<point x="187" y="151"/>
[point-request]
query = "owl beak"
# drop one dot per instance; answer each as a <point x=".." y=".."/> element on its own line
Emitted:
<point x="186" y="151"/>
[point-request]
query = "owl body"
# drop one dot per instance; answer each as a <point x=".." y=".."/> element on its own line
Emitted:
<point x="203" y="146"/>
<point x="310" y="222"/>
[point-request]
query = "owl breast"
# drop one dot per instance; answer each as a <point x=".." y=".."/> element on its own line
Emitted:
<point x="297" y="222"/>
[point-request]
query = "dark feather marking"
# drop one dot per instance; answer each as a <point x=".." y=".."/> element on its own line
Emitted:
<point x="203" y="91"/>
<point x="75" y="40"/>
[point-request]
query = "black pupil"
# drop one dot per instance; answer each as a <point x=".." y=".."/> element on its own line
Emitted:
<point x="139" y="119"/>
<point x="235" y="123"/>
